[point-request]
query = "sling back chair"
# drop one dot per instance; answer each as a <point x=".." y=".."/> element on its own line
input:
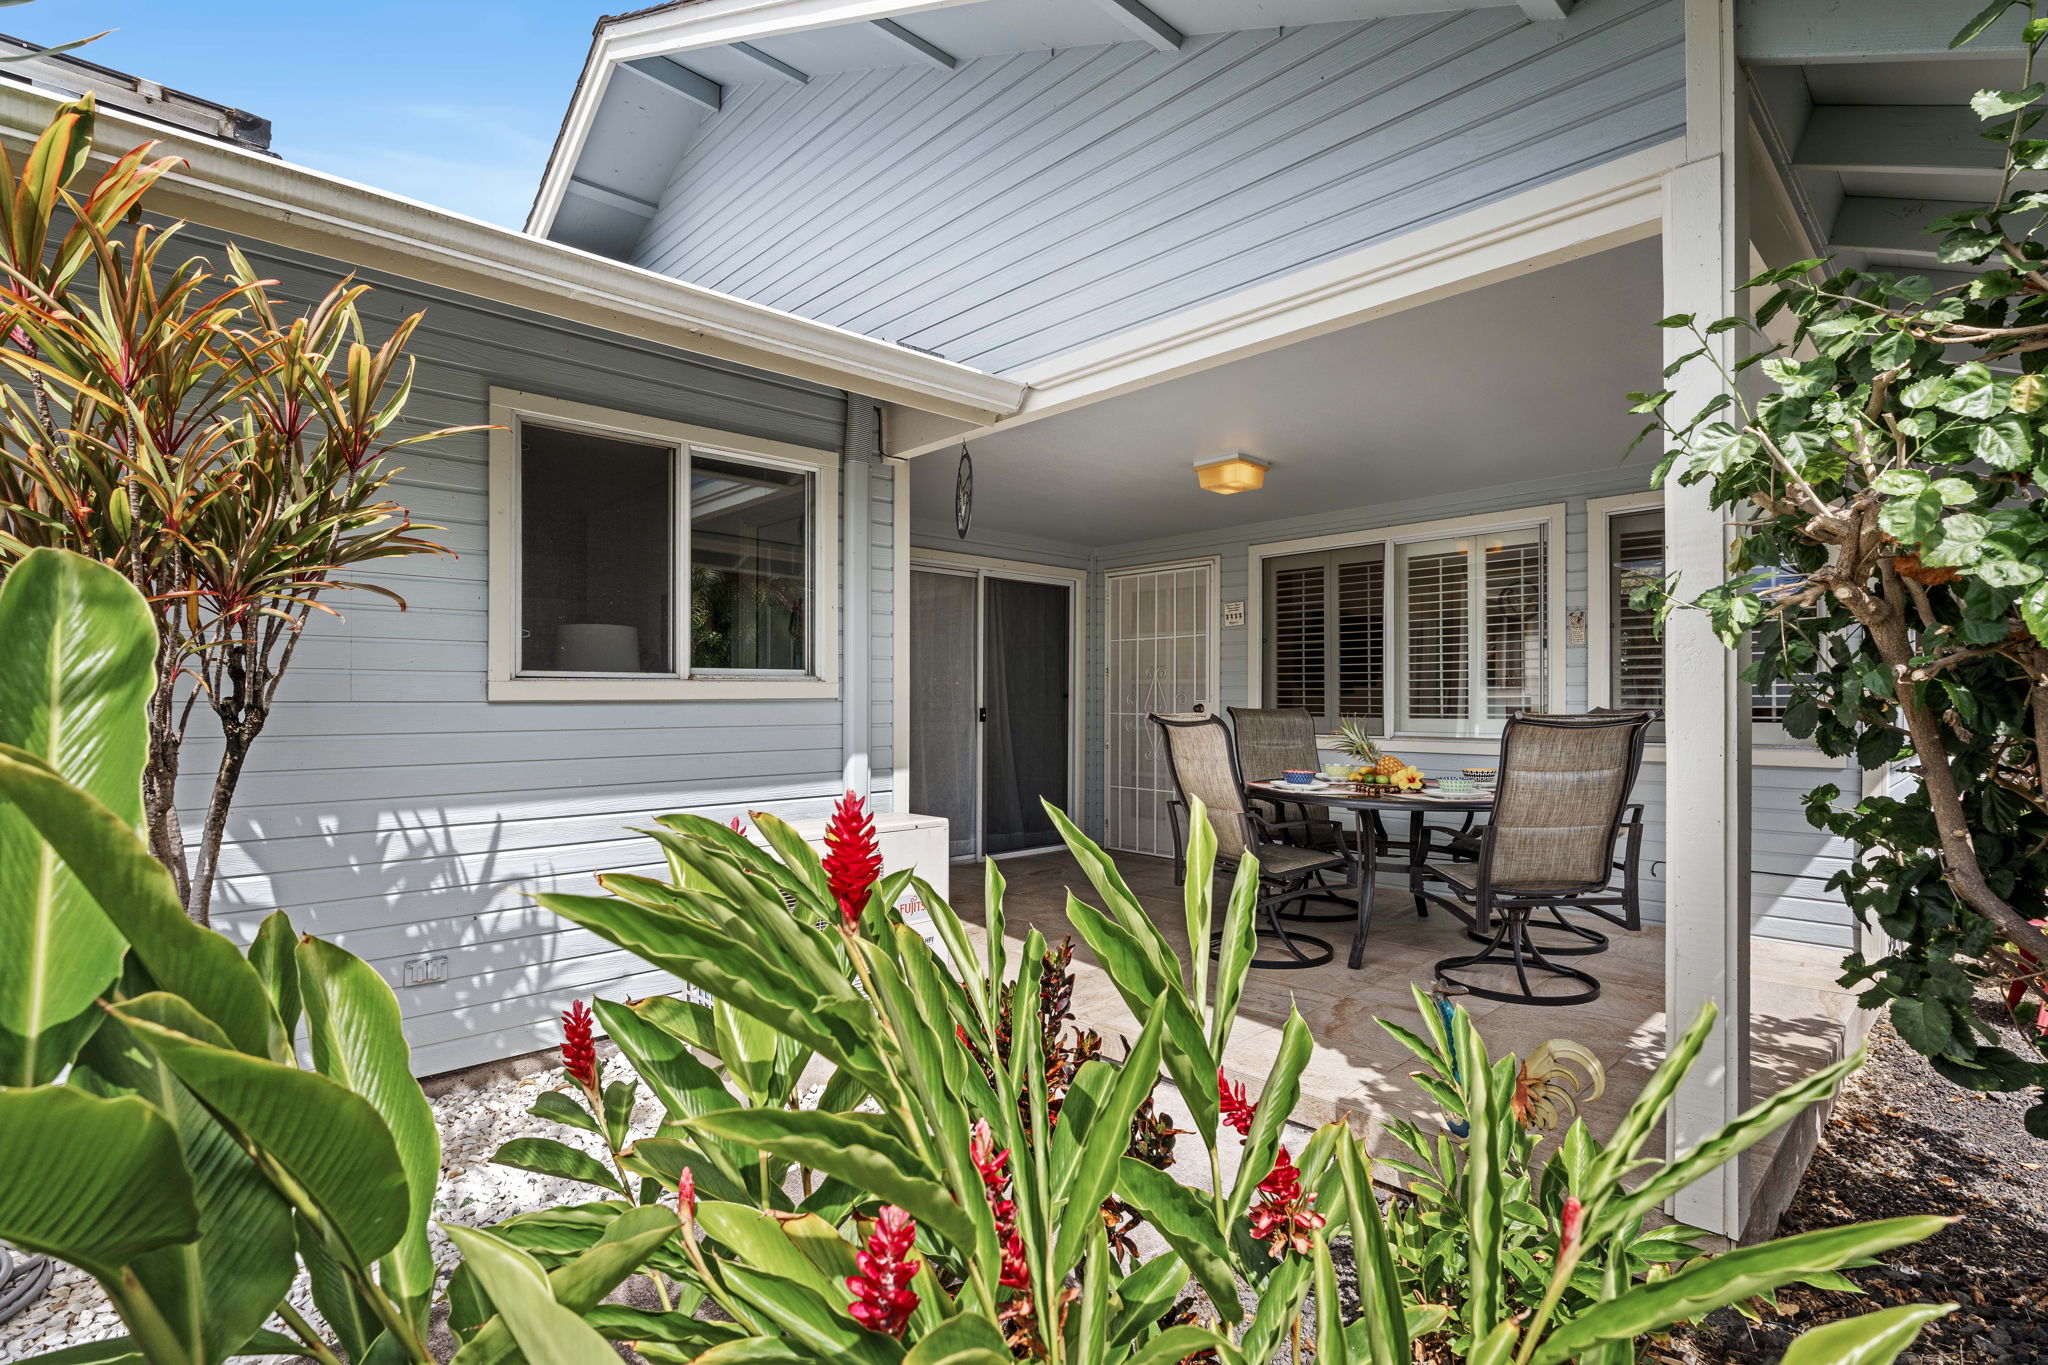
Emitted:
<point x="1269" y="741"/>
<point x="1204" y="767"/>
<point x="1560" y="807"/>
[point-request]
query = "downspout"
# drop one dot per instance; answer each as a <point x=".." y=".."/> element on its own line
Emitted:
<point x="856" y="628"/>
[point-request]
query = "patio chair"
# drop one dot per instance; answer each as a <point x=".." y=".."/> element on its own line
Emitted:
<point x="1622" y="906"/>
<point x="1270" y="741"/>
<point x="1559" y="810"/>
<point x="1204" y="767"/>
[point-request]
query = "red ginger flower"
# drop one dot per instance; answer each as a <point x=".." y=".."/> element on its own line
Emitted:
<point x="882" y="1297"/>
<point x="1569" y="1225"/>
<point x="1238" y="1111"/>
<point x="686" y="1195"/>
<point x="981" y="1149"/>
<point x="579" y="1053"/>
<point x="738" y="825"/>
<point x="1284" y="1215"/>
<point x="853" y="860"/>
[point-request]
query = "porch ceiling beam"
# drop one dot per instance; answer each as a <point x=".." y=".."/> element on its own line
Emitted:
<point x="1892" y="227"/>
<point x="699" y="90"/>
<point x="612" y="198"/>
<point x="1802" y="32"/>
<point x="1139" y="18"/>
<point x="928" y="52"/>
<point x="1933" y="138"/>
<point x="771" y="63"/>
<point x="1550" y="10"/>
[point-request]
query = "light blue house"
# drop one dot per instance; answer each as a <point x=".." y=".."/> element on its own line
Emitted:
<point x="798" y="266"/>
<point x="1405" y="256"/>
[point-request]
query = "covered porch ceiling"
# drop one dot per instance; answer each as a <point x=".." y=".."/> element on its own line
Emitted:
<point x="1520" y="380"/>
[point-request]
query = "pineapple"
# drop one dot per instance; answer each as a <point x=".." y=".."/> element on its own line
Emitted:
<point x="1355" y="740"/>
<point x="1389" y="766"/>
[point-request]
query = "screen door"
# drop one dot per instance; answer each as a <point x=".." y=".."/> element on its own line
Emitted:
<point x="991" y="706"/>
<point x="1160" y="660"/>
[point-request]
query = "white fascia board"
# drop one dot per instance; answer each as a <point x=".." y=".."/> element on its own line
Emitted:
<point x="271" y="201"/>
<point x="1605" y="206"/>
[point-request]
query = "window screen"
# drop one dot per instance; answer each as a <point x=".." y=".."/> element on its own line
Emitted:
<point x="596" y="553"/>
<point x="1299" y="615"/>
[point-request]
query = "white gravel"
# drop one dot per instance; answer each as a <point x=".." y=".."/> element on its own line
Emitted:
<point x="474" y="1120"/>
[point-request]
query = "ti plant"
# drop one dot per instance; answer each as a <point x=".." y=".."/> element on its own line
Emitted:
<point x="229" y="456"/>
<point x="1886" y="439"/>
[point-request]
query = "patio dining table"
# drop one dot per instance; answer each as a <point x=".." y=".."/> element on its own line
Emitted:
<point x="1364" y="802"/>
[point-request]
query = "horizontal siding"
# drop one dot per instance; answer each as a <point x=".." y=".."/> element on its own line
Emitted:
<point x="1021" y="206"/>
<point x="1791" y="861"/>
<point x="391" y="808"/>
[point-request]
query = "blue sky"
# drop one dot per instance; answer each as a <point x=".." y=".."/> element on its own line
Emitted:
<point x="451" y="101"/>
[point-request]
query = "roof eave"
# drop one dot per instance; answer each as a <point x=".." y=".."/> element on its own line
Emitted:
<point x="267" y="200"/>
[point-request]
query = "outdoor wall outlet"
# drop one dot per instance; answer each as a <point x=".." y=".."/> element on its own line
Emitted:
<point x="425" y="971"/>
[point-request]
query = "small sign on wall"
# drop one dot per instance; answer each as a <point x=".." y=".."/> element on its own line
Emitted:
<point x="1233" y="613"/>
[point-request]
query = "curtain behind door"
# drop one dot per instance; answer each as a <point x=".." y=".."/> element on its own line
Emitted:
<point x="1025" y="682"/>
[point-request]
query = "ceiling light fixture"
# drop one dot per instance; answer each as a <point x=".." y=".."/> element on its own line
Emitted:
<point x="1233" y="473"/>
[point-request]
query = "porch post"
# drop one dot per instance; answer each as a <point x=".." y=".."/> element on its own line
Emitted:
<point x="1706" y="772"/>
<point x="856" y="595"/>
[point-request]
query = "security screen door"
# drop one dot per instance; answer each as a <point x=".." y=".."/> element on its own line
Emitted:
<point x="990" y="706"/>
<point x="1160" y="659"/>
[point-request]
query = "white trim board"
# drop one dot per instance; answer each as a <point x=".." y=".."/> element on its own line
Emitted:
<point x="1609" y="205"/>
<point x="899" y="695"/>
<point x="260" y="198"/>
<point x="1549" y="516"/>
<point x="1076" y="580"/>
<point x="504" y="681"/>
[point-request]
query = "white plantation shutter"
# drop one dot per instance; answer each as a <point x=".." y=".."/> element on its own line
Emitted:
<point x="1362" y="636"/>
<point x="1298" y="614"/>
<point x="1635" y="654"/>
<point x="1767" y="703"/>
<point x="1473" y="633"/>
<point x="1514" y="629"/>
<point x="1437" y="604"/>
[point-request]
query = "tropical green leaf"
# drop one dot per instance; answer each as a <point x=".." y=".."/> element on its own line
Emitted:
<point x="546" y="1156"/>
<point x="545" y="1332"/>
<point x="135" y="892"/>
<point x="967" y="1339"/>
<point x="74" y="681"/>
<point x="328" y="1142"/>
<point x="1868" y="1339"/>
<point x="626" y="1243"/>
<point x="1713" y="1283"/>
<point x="358" y="1039"/>
<point x="216" y="1290"/>
<point x="275" y="957"/>
<point x="1187" y="1223"/>
<point x="96" y="1182"/>
<point x="852" y="1150"/>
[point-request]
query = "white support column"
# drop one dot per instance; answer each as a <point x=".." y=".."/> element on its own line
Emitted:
<point x="1707" y="899"/>
<point x="856" y="623"/>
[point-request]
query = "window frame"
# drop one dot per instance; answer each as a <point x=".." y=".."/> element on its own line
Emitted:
<point x="507" y="682"/>
<point x="1479" y="734"/>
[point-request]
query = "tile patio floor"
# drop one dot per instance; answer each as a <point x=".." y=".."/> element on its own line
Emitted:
<point x="1801" y="1019"/>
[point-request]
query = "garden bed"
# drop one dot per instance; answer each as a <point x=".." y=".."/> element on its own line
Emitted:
<point x="1905" y="1141"/>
